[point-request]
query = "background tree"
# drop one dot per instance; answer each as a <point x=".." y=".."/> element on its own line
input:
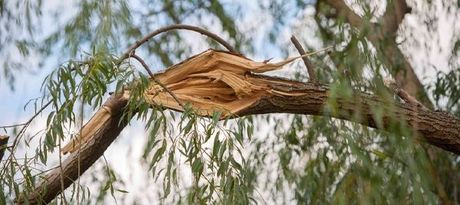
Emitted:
<point x="259" y="158"/>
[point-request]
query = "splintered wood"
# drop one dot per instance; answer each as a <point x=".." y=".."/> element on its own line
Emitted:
<point x="232" y="84"/>
<point x="211" y="81"/>
<point x="214" y="81"/>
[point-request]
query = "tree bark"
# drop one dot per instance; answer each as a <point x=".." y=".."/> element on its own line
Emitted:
<point x="437" y="128"/>
<point x="104" y="127"/>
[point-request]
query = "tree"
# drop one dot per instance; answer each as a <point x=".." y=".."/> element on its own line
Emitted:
<point x="354" y="137"/>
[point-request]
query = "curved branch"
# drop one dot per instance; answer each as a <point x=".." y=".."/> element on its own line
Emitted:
<point x="306" y="61"/>
<point x="177" y="27"/>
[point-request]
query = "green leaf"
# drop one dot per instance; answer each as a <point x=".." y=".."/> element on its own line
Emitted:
<point x="157" y="155"/>
<point x="122" y="191"/>
<point x="216" y="147"/>
<point x="189" y="126"/>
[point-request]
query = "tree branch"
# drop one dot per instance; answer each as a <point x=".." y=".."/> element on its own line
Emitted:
<point x="208" y="83"/>
<point x="306" y="61"/>
<point x="394" y="15"/>
<point x="343" y="11"/>
<point x="439" y="129"/>
<point x="383" y="37"/>
<point x="101" y="130"/>
<point x="177" y="27"/>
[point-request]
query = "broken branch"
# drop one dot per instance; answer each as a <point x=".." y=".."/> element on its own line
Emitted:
<point x="100" y="131"/>
<point x="232" y="84"/>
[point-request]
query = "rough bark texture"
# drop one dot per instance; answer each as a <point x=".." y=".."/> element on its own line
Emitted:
<point x="437" y="128"/>
<point x="103" y="128"/>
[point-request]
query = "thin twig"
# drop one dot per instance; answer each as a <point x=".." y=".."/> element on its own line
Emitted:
<point x="21" y="132"/>
<point x="310" y="68"/>
<point x="176" y="27"/>
<point x="146" y="67"/>
<point x="130" y="51"/>
<point x="30" y="120"/>
<point x="26" y="124"/>
<point x="15" y="125"/>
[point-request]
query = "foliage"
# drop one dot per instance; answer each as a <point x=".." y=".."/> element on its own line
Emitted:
<point x="258" y="159"/>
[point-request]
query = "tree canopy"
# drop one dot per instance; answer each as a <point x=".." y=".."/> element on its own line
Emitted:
<point x="359" y="105"/>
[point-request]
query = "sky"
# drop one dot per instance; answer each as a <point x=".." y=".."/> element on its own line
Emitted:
<point x="124" y="155"/>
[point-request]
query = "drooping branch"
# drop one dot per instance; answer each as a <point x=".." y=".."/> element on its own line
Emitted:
<point x="227" y="82"/>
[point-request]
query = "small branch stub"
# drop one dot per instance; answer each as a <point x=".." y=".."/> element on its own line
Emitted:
<point x="307" y="62"/>
<point x="405" y="96"/>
